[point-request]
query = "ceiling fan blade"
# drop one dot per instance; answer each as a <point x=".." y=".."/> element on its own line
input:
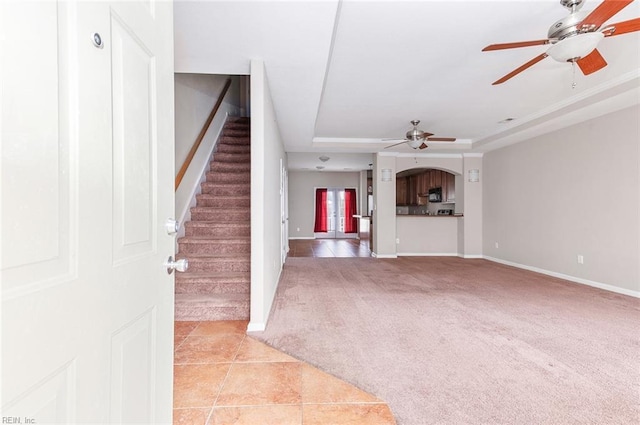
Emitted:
<point x="602" y="13"/>
<point x="441" y="139"/>
<point x="390" y="146"/>
<point x="592" y="62"/>
<point x="520" y="69"/>
<point x="623" y="27"/>
<point x="423" y="146"/>
<point x="515" y="45"/>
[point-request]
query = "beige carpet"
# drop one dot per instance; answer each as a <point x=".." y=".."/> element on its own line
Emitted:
<point x="452" y="341"/>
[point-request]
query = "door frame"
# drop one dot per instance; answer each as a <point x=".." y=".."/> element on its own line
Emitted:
<point x="335" y="234"/>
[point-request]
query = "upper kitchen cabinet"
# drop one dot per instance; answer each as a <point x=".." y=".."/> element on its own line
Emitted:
<point x="412" y="186"/>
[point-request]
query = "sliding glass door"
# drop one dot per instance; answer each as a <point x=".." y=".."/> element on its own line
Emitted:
<point x="334" y="211"/>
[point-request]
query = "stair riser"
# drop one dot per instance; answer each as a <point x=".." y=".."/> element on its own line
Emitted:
<point x="226" y="247"/>
<point x="231" y="157"/>
<point x="226" y="148"/>
<point x="221" y="216"/>
<point x="186" y="311"/>
<point x="220" y="177"/>
<point x="229" y="125"/>
<point x="217" y="231"/>
<point x="243" y="140"/>
<point x="226" y="190"/>
<point x="208" y="200"/>
<point x="213" y="288"/>
<point x="230" y="167"/>
<point x="219" y="266"/>
<point x="231" y="132"/>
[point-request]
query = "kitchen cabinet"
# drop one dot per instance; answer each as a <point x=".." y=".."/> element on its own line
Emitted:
<point x="451" y="188"/>
<point x="401" y="190"/>
<point x="412" y="189"/>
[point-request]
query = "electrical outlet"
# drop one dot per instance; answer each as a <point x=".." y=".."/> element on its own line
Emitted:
<point x="297" y="229"/>
<point x="580" y="259"/>
<point x="397" y="240"/>
<point x="497" y="245"/>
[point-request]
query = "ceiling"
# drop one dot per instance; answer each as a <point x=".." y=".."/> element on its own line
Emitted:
<point x="346" y="74"/>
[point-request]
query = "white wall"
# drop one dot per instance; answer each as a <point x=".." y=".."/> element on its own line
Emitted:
<point x="267" y="151"/>
<point x="572" y="192"/>
<point x="470" y="227"/>
<point x="195" y="96"/>
<point x="384" y="207"/>
<point x="302" y="186"/>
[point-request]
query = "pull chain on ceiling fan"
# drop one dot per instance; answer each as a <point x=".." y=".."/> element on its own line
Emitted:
<point x="576" y="37"/>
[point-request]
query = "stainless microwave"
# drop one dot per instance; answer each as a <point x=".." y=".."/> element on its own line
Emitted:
<point x="435" y="194"/>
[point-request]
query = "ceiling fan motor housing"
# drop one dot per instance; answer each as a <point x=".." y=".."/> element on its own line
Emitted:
<point x="568" y="27"/>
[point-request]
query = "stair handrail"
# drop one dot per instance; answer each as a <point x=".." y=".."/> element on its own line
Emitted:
<point x="205" y="127"/>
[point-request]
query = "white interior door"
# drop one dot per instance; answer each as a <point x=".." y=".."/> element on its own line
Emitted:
<point x="87" y="184"/>
<point x="284" y="229"/>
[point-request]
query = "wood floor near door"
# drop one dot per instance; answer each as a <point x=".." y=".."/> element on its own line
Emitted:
<point x="223" y="377"/>
<point x="329" y="248"/>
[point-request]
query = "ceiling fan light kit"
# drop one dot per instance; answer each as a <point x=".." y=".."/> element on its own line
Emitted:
<point x="575" y="38"/>
<point x="576" y="47"/>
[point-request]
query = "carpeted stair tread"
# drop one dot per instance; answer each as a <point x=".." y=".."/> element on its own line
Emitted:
<point x="208" y="229"/>
<point x="235" y="139"/>
<point x="230" y="167"/>
<point x="229" y="148"/>
<point x="213" y="283"/>
<point x="221" y="215"/>
<point x="233" y="157"/>
<point x="221" y="177"/>
<point x="199" y="307"/>
<point x="224" y="256"/>
<point x="207" y="195"/>
<point x="222" y="299"/>
<point x="207" y="276"/>
<point x="204" y="239"/>
<point x="225" y="189"/>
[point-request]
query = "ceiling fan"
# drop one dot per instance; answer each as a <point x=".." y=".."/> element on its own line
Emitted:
<point x="575" y="38"/>
<point x="416" y="138"/>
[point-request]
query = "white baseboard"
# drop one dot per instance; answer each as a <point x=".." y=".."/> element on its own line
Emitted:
<point x="256" y="327"/>
<point x="374" y="255"/>
<point x="470" y="256"/>
<point x="587" y="282"/>
<point x="291" y="238"/>
<point x="427" y="254"/>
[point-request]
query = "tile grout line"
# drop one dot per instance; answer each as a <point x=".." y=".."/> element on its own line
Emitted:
<point x="233" y="361"/>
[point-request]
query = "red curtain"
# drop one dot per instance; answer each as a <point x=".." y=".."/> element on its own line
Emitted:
<point x="321" y="211"/>
<point x="350" y="208"/>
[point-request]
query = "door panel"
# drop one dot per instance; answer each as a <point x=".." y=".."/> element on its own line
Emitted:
<point x="45" y="257"/>
<point x="133" y="144"/>
<point x="87" y="172"/>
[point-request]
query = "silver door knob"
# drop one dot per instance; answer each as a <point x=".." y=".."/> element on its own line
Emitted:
<point x="178" y="265"/>
<point x="171" y="226"/>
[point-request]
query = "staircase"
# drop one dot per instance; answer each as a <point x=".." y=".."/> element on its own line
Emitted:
<point x="217" y="240"/>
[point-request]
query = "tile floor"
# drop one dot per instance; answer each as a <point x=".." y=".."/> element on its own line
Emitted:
<point x="223" y="377"/>
<point x="329" y="248"/>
